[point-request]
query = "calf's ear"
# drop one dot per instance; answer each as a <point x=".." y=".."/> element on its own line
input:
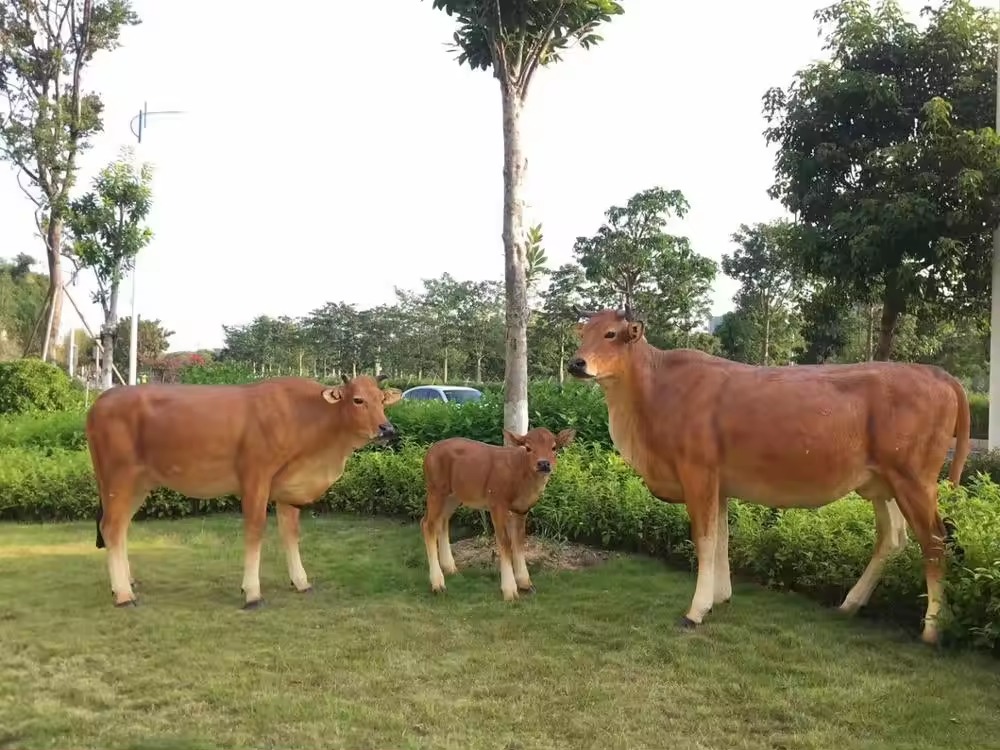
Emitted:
<point x="391" y="396"/>
<point x="565" y="437"/>
<point x="333" y="395"/>
<point x="511" y="438"/>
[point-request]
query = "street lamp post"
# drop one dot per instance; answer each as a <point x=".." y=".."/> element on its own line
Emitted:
<point x="993" y="433"/>
<point x="137" y="125"/>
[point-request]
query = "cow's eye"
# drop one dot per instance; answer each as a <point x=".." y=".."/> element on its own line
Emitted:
<point x="358" y="401"/>
<point x="609" y="335"/>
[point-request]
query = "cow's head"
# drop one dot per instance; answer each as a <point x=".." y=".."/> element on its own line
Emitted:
<point x="604" y="343"/>
<point x="361" y="406"/>
<point x="540" y="447"/>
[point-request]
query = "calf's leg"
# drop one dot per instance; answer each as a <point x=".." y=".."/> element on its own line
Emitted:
<point x="288" y="530"/>
<point x="516" y="527"/>
<point x="445" y="557"/>
<point x="430" y="526"/>
<point x="508" y="585"/>
<point x="254" y="504"/>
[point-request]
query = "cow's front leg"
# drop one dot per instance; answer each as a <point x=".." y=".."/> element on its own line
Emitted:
<point x="516" y="527"/>
<point x="507" y="583"/>
<point x="288" y="530"/>
<point x="254" y="504"/>
<point x="701" y="496"/>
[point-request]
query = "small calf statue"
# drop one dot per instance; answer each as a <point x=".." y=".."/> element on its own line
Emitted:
<point x="505" y="480"/>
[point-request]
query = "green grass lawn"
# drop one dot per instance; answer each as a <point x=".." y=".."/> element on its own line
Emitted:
<point x="371" y="659"/>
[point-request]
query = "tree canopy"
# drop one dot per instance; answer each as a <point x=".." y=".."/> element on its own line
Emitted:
<point x="887" y="157"/>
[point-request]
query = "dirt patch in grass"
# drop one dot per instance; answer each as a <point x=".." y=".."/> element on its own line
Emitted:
<point x="481" y="551"/>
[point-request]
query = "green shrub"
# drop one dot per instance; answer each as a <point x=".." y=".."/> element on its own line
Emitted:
<point x="60" y="429"/>
<point x="30" y="385"/>
<point x="593" y="497"/>
<point x="217" y="373"/>
<point x="979" y="411"/>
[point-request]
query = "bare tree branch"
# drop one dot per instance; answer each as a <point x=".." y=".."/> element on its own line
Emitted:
<point x="24" y="188"/>
<point x="537" y="48"/>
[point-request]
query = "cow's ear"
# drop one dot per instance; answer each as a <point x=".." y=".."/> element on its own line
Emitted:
<point x="636" y="329"/>
<point x="511" y="438"/>
<point x="333" y="395"/>
<point x="565" y="437"/>
<point x="391" y="396"/>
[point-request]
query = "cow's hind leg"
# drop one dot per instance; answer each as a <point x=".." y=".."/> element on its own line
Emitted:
<point x="722" y="591"/>
<point x="889" y="539"/>
<point x="119" y="498"/>
<point x="288" y="530"/>
<point x="254" y="502"/>
<point x="918" y="503"/>
<point x="430" y="527"/>
<point x="445" y="558"/>
<point x="138" y="498"/>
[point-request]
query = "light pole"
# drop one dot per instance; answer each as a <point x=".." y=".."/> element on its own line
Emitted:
<point x="993" y="436"/>
<point x="133" y="338"/>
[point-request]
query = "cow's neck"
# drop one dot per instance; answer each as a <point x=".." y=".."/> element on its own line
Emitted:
<point x="628" y="396"/>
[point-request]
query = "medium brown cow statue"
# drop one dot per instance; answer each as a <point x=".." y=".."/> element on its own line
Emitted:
<point x="700" y="429"/>
<point x="282" y="439"/>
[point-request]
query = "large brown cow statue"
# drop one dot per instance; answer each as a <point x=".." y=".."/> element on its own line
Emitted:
<point x="282" y="439"/>
<point x="700" y="429"/>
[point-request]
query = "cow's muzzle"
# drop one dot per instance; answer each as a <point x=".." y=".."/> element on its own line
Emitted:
<point x="544" y="467"/>
<point x="577" y="367"/>
<point x="387" y="431"/>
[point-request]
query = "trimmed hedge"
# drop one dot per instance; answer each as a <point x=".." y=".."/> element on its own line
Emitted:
<point x="593" y="497"/>
<point x="580" y="405"/>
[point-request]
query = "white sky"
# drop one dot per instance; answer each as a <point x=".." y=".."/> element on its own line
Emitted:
<point x="333" y="152"/>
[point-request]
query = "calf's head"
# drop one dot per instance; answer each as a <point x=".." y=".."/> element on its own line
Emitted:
<point x="605" y="339"/>
<point x="540" y="447"/>
<point x="361" y="407"/>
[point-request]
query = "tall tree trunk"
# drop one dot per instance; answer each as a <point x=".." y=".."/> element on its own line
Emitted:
<point x="479" y="368"/>
<point x="562" y="360"/>
<point x="53" y="246"/>
<point x="445" y="364"/>
<point x="892" y="308"/>
<point x="767" y="334"/>
<point x="515" y="380"/>
<point x="871" y="332"/>
<point x="108" y="332"/>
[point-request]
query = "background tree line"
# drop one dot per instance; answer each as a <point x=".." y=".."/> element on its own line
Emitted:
<point x="887" y="161"/>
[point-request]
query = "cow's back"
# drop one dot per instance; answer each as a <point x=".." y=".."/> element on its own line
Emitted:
<point x="193" y="438"/>
<point x="465" y="468"/>
<point x="801" y="435"/>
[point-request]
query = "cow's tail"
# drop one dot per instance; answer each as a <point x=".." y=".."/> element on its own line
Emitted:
<point x="962" y="434"/>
